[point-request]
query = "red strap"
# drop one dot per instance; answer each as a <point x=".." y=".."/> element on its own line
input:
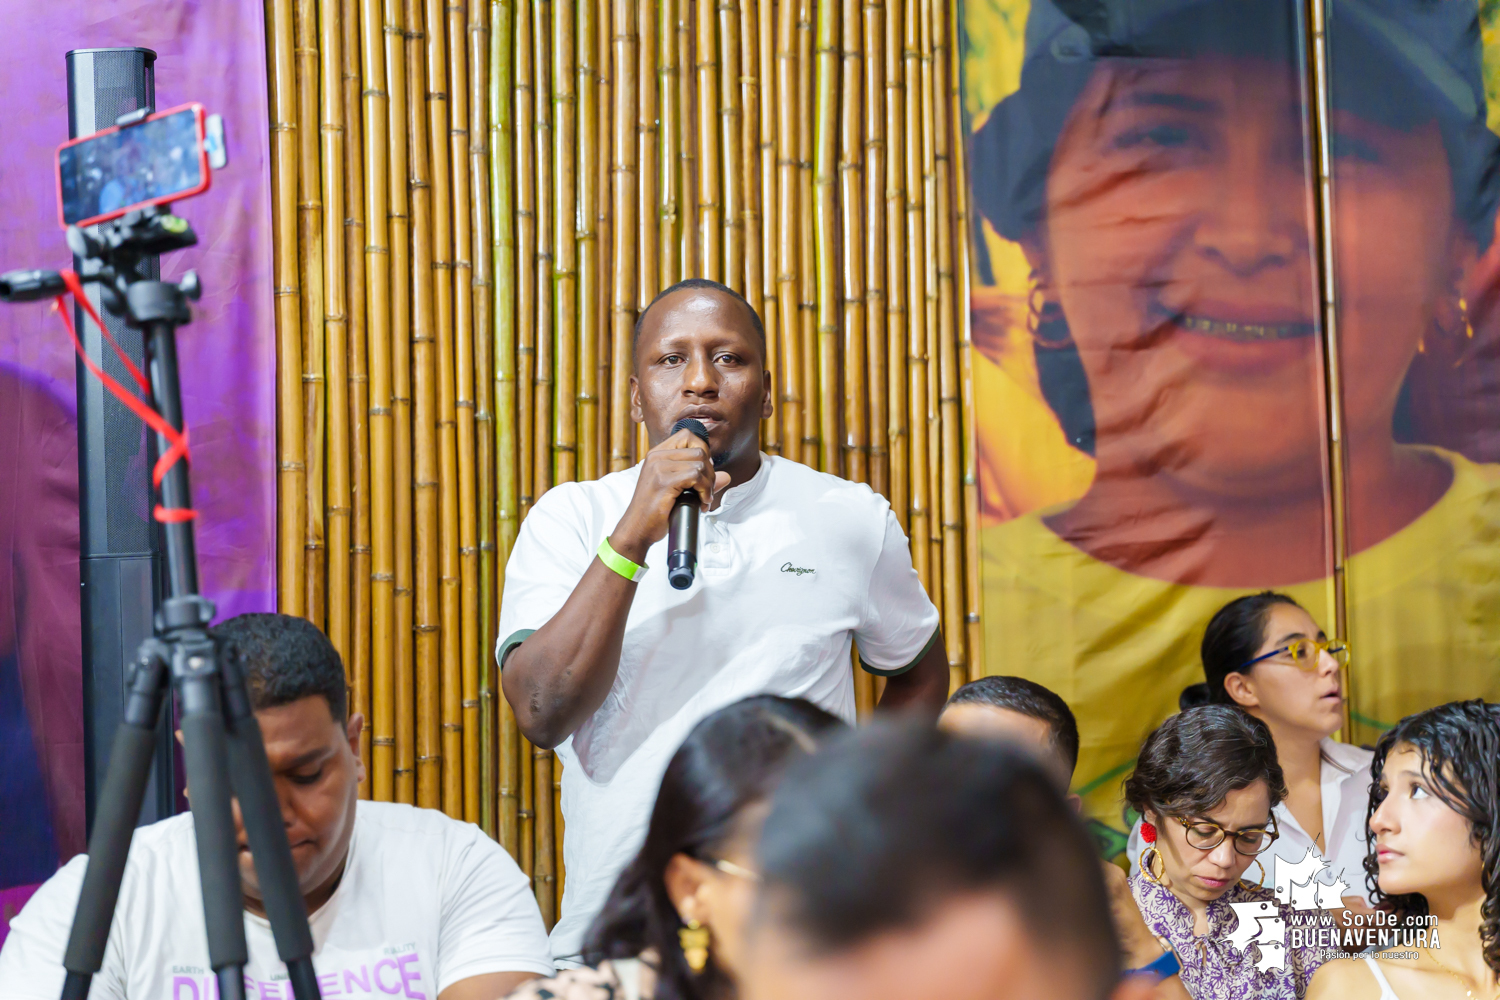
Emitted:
<point x="178" y="441"/>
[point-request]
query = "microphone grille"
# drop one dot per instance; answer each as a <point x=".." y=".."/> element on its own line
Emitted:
<point x="689" y="423"/>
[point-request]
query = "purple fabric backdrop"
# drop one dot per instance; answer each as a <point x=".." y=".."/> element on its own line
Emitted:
<point x="212" y="52"/>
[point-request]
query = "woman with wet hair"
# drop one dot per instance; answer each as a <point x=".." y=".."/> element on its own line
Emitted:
<point x="1264" y="654"/>
<point x="672" y="926"/>
<point x="1205" y="784"/>
<point x="1434" y="860"/>
<point x="1152" y="172"/>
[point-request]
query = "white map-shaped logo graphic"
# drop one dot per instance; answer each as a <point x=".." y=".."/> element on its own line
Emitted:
<point x="1298" y="888"/>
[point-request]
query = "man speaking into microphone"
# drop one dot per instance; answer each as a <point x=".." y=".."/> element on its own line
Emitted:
<point x="604" y="659"/>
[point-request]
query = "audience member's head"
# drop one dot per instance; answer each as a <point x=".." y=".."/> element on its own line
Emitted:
<point x="297" y="688"/>
<point x="697" y="867"/>
<point x="1434" y="816"/>
<point x="1017" y="709"/>
<point x="904" y="862"/>
<point x="1264" y="653"/>
<point x="1204" y="784"/>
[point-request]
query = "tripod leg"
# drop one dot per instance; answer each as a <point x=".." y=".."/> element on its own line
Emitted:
<point x="207" y="760"/>
<point x="114" y="822"/>
<point x="260" y="812"/>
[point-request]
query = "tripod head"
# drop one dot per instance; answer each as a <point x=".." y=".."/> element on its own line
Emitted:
<point x="115" y="261"/>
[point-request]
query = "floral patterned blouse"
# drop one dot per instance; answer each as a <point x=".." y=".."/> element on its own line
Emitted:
<point x="617" y="979"/>
<point x="1213" y="968"/>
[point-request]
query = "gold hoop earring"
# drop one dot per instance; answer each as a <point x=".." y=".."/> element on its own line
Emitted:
<point x="1262" y="880"/>
<point x="694" y="942"/>
<point x="1045" y="323"/>
<point x="1148" y="863"/>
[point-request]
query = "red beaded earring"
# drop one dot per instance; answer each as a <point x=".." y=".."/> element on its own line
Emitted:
<point x="1148" y="832"/>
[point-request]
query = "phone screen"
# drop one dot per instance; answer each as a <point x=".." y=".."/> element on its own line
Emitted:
<point x="109" y="173"/>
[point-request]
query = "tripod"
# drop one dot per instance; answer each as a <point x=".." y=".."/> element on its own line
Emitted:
<point x="221" y="740"/>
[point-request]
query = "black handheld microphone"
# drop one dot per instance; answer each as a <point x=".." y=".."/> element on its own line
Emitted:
<point x="682" y="526"/>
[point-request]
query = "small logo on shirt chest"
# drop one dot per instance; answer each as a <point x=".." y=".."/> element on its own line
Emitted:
<point x="789" y="568"/>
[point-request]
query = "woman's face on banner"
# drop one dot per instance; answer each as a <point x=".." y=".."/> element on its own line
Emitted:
<point x="1178" y="241"/>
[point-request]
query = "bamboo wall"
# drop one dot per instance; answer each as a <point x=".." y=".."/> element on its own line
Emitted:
<point x="473" y="202"/>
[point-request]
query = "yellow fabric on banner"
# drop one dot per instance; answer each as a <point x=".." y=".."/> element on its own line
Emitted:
<point x="1424" y="626"/>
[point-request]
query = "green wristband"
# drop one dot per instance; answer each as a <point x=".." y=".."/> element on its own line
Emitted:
<point x="609" y="557"/>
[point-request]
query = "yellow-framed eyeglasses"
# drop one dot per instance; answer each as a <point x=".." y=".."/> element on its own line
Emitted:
<point x="1304" y="653"/>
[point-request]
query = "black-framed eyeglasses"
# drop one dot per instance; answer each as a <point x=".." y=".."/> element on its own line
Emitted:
<point x="1205" y="836"/>
<point x="1303" y="653"/>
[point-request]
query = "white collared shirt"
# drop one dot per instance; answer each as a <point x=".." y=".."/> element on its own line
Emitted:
<point x="1344" y="778"/>
<point x="794" y="565"/>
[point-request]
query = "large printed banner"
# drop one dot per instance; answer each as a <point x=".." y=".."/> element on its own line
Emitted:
<point x="1154" y="422"/>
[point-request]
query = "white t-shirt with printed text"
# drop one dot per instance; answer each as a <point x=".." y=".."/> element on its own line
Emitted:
<point x="425" y="901"/>
<point x="794" y="566"/>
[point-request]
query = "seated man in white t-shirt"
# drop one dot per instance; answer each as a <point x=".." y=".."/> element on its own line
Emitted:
<point x="403" y="902"/>
<point x="603" y="660"/>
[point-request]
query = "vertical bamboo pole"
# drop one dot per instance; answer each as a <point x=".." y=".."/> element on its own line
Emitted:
<point x="731" y="157"/>
<point x="448" y="767"/>
<point x="382" y="476"/>
<point x="340" y="488"/>
<point x="606" y="75"/>
<point x="528" y="260"/>
<point x="747" y="162"/>
<point x="856" y="412"/>
<point x="291" y="489"/>
<point x="920" y="531"/>
<point x="627" y="143"/>
<point x="482" y="648"/>
<point x="930" y="301"/>
<point x="649" y="136"/>
<point x="875" y="245"/>
<point x="807" y="283"/>
<point x="673" y="198"/>
<point x="710" y="196"/>
<point x="424" y="366"/>
<point x="310" y="253"/>
<point x="359" y="379"/>
<point x="468" y="641"/>
<point x="692" y="240"/>
<point x="960" y="182"/>
<point x="895" y="228"/>
<point x="543" y="33"/>
<point x="787" y="245"/>
<point x="950" y="410"/>
<point x="565" y="240"/>
<point x="526" y="812"/>
<point x="544" y="869"/>
<point x="401" y="229"/>
<point x="766" y="62"/>
<point x="825" y="229"/>
<point x="584" y="218"/>
<point x="508" y="387"/>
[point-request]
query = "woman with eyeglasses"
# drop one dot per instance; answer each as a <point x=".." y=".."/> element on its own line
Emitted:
<point x="1264" y="654"/>
<point x="671" y="928"/>
<point x="1205" y="783"/>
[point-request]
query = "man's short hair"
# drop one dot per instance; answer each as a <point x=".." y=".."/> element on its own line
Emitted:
<point x="870" y="833"/>
<point x="711" y="285"/>
<point x="1031" y="699"/>
<point x="285" y="659"/>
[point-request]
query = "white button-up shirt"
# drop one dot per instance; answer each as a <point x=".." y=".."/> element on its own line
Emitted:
<point x="1344" y="777"/>
<point x="794" y="566"/>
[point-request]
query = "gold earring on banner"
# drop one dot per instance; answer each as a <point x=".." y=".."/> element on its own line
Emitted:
<point x="1262" y="880"/>
<point x="1044" y="319"/>
<point x="694" y="941"/>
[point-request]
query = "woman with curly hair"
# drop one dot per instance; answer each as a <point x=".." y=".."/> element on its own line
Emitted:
<point x="1434" y="859"/>
<point x="1205" y="784"/>
<point x="671" y="927"/>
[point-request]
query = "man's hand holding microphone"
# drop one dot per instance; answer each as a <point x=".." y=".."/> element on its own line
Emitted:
<point x="678" y="466"/>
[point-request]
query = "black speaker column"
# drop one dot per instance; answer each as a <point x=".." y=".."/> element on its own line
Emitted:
<point x="120" y="544"/>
